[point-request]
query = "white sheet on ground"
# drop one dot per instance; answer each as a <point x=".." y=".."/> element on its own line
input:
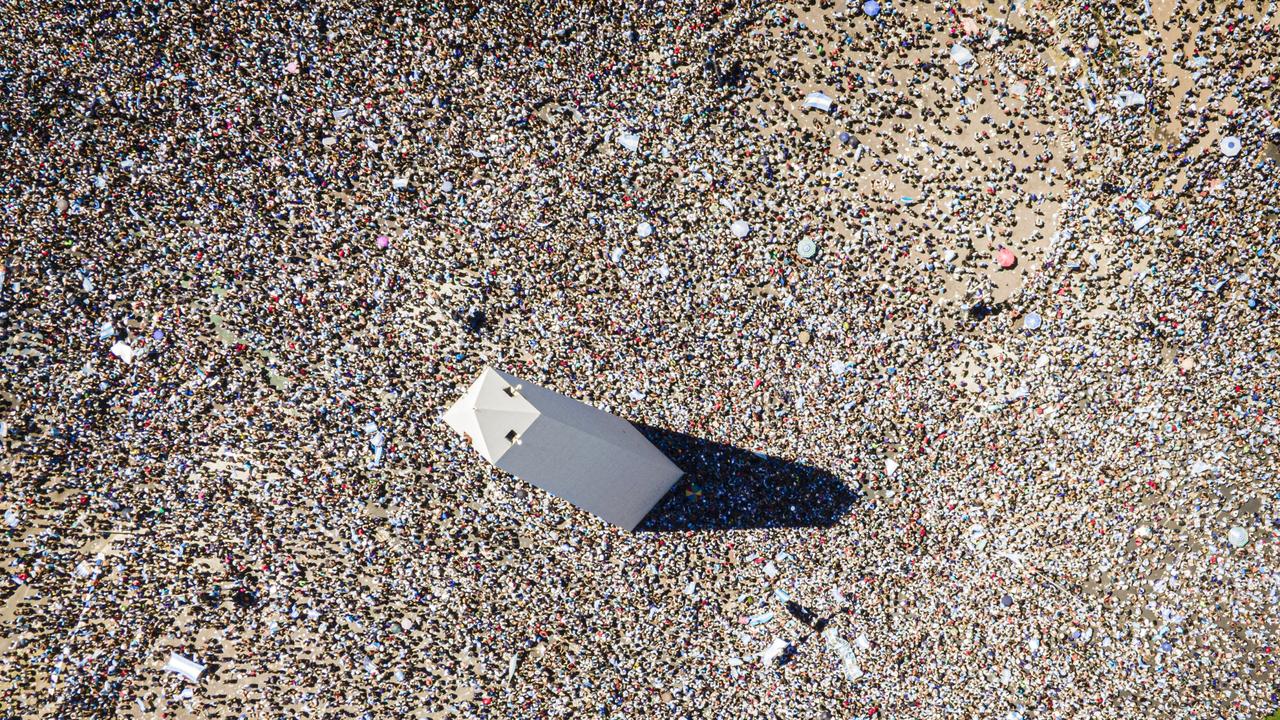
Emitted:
<point x="818" y="101"/>
<point x="844" y="651"/>
<point x="185" y="667"/>
<point x="774" y="650"/>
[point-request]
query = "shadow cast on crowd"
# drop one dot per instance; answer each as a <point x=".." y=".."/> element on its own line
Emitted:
<point x="729" y="488"/>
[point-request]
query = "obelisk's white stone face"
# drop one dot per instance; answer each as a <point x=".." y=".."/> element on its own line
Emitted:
<point x="597" y="461"/>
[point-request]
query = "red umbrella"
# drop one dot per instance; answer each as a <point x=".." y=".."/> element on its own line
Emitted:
<point x="1006" y="258"/>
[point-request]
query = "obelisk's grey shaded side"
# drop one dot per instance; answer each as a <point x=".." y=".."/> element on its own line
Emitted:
<point x="595" y="460"/>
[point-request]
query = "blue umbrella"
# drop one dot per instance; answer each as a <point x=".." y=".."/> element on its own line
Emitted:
<point x="871" y="8"/>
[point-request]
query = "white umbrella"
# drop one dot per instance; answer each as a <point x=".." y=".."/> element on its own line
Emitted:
<point x="123" y="351"/>
<point x="1230" y="146"/>
<point x="740" y="228"/>
<point x="644" y="229"/>
<point x="629" y="141"/>
<point x="1238" y="537"/>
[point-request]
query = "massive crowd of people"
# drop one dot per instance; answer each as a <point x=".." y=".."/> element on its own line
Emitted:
<point x="1017" y="397"/>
